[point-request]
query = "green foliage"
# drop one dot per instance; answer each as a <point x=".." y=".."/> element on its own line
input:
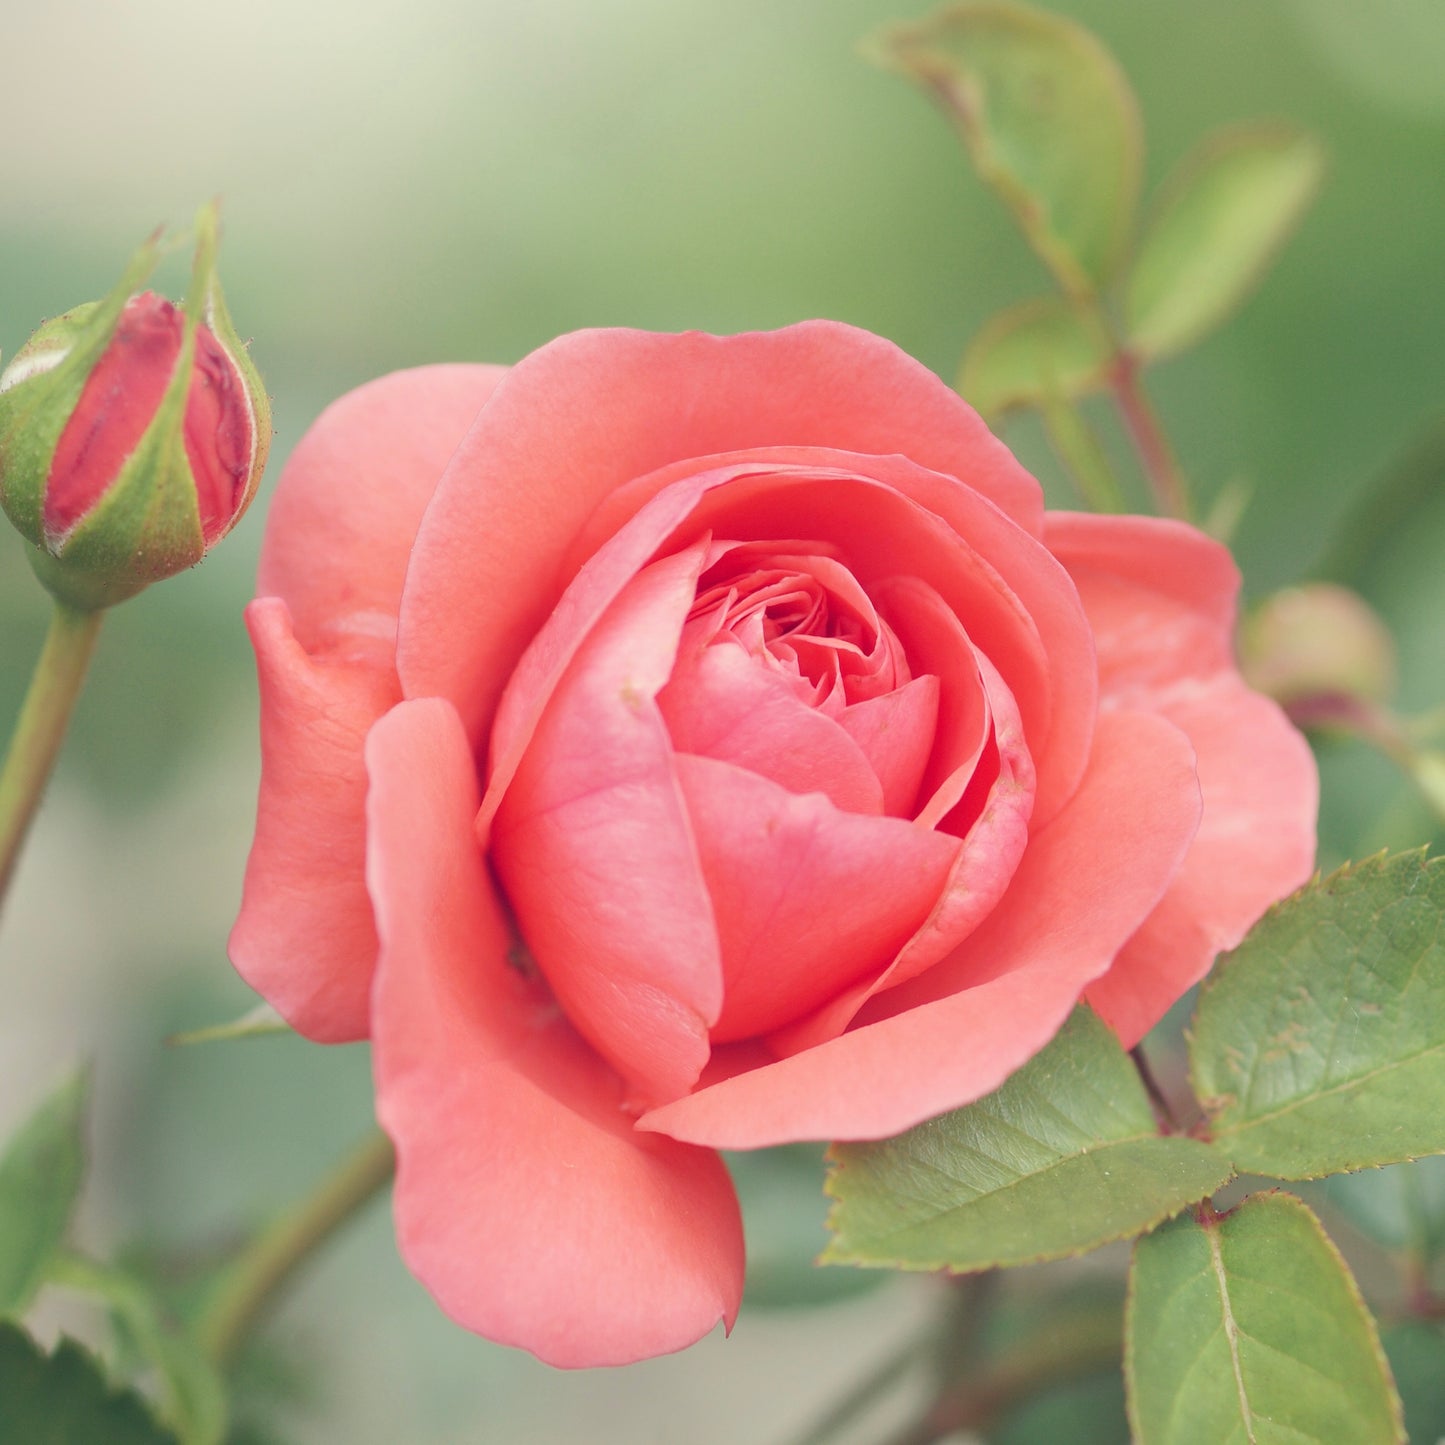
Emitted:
<point x="40" y="1176"/>
<point x="63" y="1399"/>
<point x="1216" y="227"/>
<point x="1319" y="1044"/>
<point x="1064" y="1157"/>
<point x="195" y="1397"/>
<point x="1033" y="353"/>
<point x="1248" y="1327"/>
<point x="1049" y="121"/>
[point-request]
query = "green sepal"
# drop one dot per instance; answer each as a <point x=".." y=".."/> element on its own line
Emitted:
<point x="217" y="318"/>
<point x="34" y="411"/>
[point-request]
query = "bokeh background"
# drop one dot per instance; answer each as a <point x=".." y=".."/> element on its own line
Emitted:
<point x="414" y="180"/>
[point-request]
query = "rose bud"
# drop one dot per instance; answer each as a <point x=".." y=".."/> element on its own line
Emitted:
<point x="1321" y="652"/>
<point x="133" y="434"/>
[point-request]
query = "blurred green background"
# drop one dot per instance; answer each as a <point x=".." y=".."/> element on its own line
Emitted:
<point x="408" y="182"/>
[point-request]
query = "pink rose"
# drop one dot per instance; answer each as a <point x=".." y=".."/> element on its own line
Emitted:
<point x="678" y="743"/>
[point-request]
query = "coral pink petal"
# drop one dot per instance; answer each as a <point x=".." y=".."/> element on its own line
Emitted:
<point x="1013" y="598"/>
<point x="895" y="732"/>
<point x="587" y="413"/>
<point x="957" y="1031"/>
<point x="1160" y="597"/>
<point x="806" y="896"/>
<point x="525" y="1200"/>
<point x="982" y="872"/>
<point x="1256" y="844"/>
<point x="593" y="846"/>
<point x="341" y="524"/>
<point x="722" y="703"/>
<point x="305" y="937"/>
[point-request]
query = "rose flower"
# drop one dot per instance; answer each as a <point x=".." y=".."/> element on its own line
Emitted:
<point x="678" y="743"/>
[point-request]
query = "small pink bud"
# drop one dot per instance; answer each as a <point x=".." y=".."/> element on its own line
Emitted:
<point x="133" y="434"/>
<point x="1316" y="646"/>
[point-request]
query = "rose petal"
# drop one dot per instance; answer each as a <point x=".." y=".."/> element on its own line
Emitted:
<point x="337" y="541"/>
<point x="594" y="849"/>
<point x="305" y="937"/>
<point x="1160" y="597"/>
<point x="590" y="411"/>
<point x="992" y="844"/>
<point x="525" y="1201"/>
<point x="1015" y="600"/>
<point x="957" y="1031"/>
<point x="895" y="732"/>
<point x="721" y="703"/>
<point x="806" y="896"/>
<point x="340" y="527"/>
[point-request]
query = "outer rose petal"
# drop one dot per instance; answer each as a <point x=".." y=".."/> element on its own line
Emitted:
<point x="305" y="937"/>
<point x="525" y="1200"/>
<point x="957" y="1031"/>
<point x="590" y="411"/>
<point x="1160" y="597"/>
<point x="337" y="541"/>
<point x="340" y="528"/>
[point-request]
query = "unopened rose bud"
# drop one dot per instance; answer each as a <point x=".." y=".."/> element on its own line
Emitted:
<point x="1317" y="645"/>
<point x="133" y="434"/>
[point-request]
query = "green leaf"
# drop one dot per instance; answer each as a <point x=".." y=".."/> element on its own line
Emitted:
<point x="195" y="1397"/>
<point x="63" y="1399"/>
<point x="1048" y="118"/>
<point x="1248" y="1327"/>
<point x="1319" y="1044"/>
<point x="1034" y="353"/>
<point x="1219" y="221"/>
<point x="40" y="1176"/>
<point x="1064" y="1157"/>
<point x="259" y="1022"/>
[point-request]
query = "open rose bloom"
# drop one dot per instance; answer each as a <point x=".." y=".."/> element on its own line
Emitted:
<point x="678" y="743"/>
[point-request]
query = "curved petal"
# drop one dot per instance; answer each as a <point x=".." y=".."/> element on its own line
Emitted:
<point x="594" y="849"/>
<point x="590" y="411"/>
<point x="525" y="1201"/>
<point x="305" y="938"/>
<point x="720" y="703"/>
<point x="340" y="527"/>
<point x="806" y="896"/>
<point x="1160" y="597"/>
<point x="956" y="1032"/>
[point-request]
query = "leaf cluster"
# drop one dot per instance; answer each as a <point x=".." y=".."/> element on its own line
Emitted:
<point x="1316" y="1049"/>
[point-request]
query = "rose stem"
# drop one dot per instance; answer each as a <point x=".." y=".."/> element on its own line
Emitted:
<point x="262" y="1270"/>
<point x="1161" y="467"/>
<point x="1163" y="1114"/>
<point x="40" y="728"/>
